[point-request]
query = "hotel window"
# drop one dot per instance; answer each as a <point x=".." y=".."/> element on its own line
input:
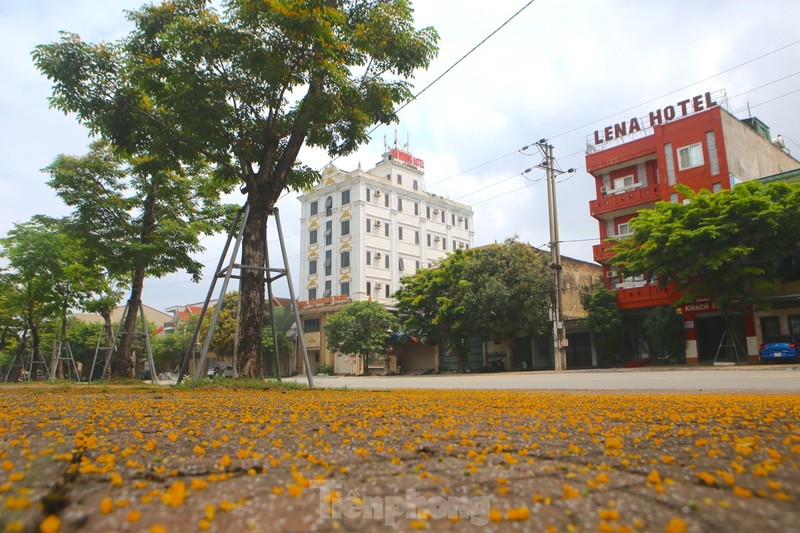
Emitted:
<point x="314" y="208"/>
<point x="623" y="230"/>
<point x="443" y="214"/>
<point x="623" y="182"/>
<point x="418" y="264"/>
<point x="416" y="208"/>
<point x="386" y="290"/>
<point x="327" y="289"/>
<point x="416" y="185"/>
<point x="328" y="233"/>
<point x="346" y="197"/>
<point x="345" y="227"/>
<point x="428" y="212"/>
<point x="369" y="194"/>
<point x="386" y="200"/>
<point x="386" y="229"/>
<point x="429" y="240"/>
<point x="453" y="219"/>
<point x="312" y="294"/>
<point x="716" y="187"/>
<point x="312" y="237"/>
<point x="400" y="233"/>
<point x="369" y="226"/>
<point x="399" y="204"/>
<point x="369" y="258"/>
<point x="310" y="325"/>
<point x="345" y="291"/>
<point x="329" y="205"/>
<point x="386" y="261"/>
<point x="369" y="288"/>
<point x="344" y="259"/>
<point x="328" y="263"/>
<point x="399" y="179"/>
<point x="690" y="156"/>
<point x="673" y="197"/>
<point x="669" y="159"/>
<point x="401" y="265"/>
<point x="312" y="266"/>
<point x="416" y="237"/>
<point x="466" y="223"/>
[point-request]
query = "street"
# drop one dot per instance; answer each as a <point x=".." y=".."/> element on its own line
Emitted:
<point x="782" y="379"/>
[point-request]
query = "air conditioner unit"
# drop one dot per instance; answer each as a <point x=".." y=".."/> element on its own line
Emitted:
<point x="460" y="219"/>
<point x="377" y="193"/>
<point x="378" y="255"/>
<point x="377" y="223"/>
<point x="603" y="190"/>
<point x="461" y="245"/>
<point x="435" y="211"/>
<point x="378" y="286"/>
<point x="437" y="238"/>
<point x="611" y="274"/>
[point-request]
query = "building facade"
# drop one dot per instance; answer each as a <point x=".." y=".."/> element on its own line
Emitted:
<point x="638" y="162"/>
<point x="362" y="232"/>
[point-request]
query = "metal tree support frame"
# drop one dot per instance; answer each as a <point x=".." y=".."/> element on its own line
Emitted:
<point x="64" y="353"/>
<point x="226" y="272"/>
<point x="113" y="349"/>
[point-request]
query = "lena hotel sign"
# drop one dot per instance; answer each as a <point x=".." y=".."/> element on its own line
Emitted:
<point x="655" y="118"/>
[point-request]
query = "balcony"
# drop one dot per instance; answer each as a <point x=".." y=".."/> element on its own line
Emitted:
<point x="646" y="296"/>
<point x="629" y="200"/>
<point x="601" y="251"/>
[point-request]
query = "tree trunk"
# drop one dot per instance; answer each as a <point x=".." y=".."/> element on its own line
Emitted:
<point x="126" y="356"/>
<point x="249" y="361"/>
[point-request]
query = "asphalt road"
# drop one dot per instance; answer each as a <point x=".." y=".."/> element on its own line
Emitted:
<point x="778" y="379"/>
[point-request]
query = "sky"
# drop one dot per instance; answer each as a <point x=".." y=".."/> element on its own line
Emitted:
<point x="559" y="70"/>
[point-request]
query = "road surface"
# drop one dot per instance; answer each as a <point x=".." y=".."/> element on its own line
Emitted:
<point x="778" y="379"/>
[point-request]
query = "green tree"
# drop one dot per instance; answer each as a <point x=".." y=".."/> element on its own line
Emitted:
<point x="723" y="246"/>
<point x="244" y="90"/>
<point x="432" y="303"/>
<point x="605" y="323"/>
<point x="137" y="221"/>
<point x="664" y="332"/>
<point x="501" y="290"/>
<point x="49" y="274"/>
<point x="360" y="328"/>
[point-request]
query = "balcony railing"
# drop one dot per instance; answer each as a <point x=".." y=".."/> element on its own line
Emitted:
<point x="601" y="252"/>
<point x="622" y="200"/>
<point x="646" y="296"/>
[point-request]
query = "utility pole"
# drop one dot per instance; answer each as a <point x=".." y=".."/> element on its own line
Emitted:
<point x="559" y="333"/>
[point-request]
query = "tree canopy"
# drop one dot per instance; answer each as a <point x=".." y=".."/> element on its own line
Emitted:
<point x="722" y="246"/>
<point x="502" y="290"/>
<point x="243" y="89"/>
<point x="49" y="273"/>
<point x="360" y="328"/>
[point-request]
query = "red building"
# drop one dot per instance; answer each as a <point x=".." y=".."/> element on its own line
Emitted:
<point x="638" y="162"/>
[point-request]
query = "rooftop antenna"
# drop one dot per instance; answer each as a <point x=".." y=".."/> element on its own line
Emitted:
<point x="395" y="138"/>
<point x="385" y="146"/>
<point x="408" y="142"/>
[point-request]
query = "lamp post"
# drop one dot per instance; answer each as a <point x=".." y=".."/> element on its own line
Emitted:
<point x="559" y="333"/>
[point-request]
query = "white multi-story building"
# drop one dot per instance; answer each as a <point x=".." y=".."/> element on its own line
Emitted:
<point x="363" y="231"/>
